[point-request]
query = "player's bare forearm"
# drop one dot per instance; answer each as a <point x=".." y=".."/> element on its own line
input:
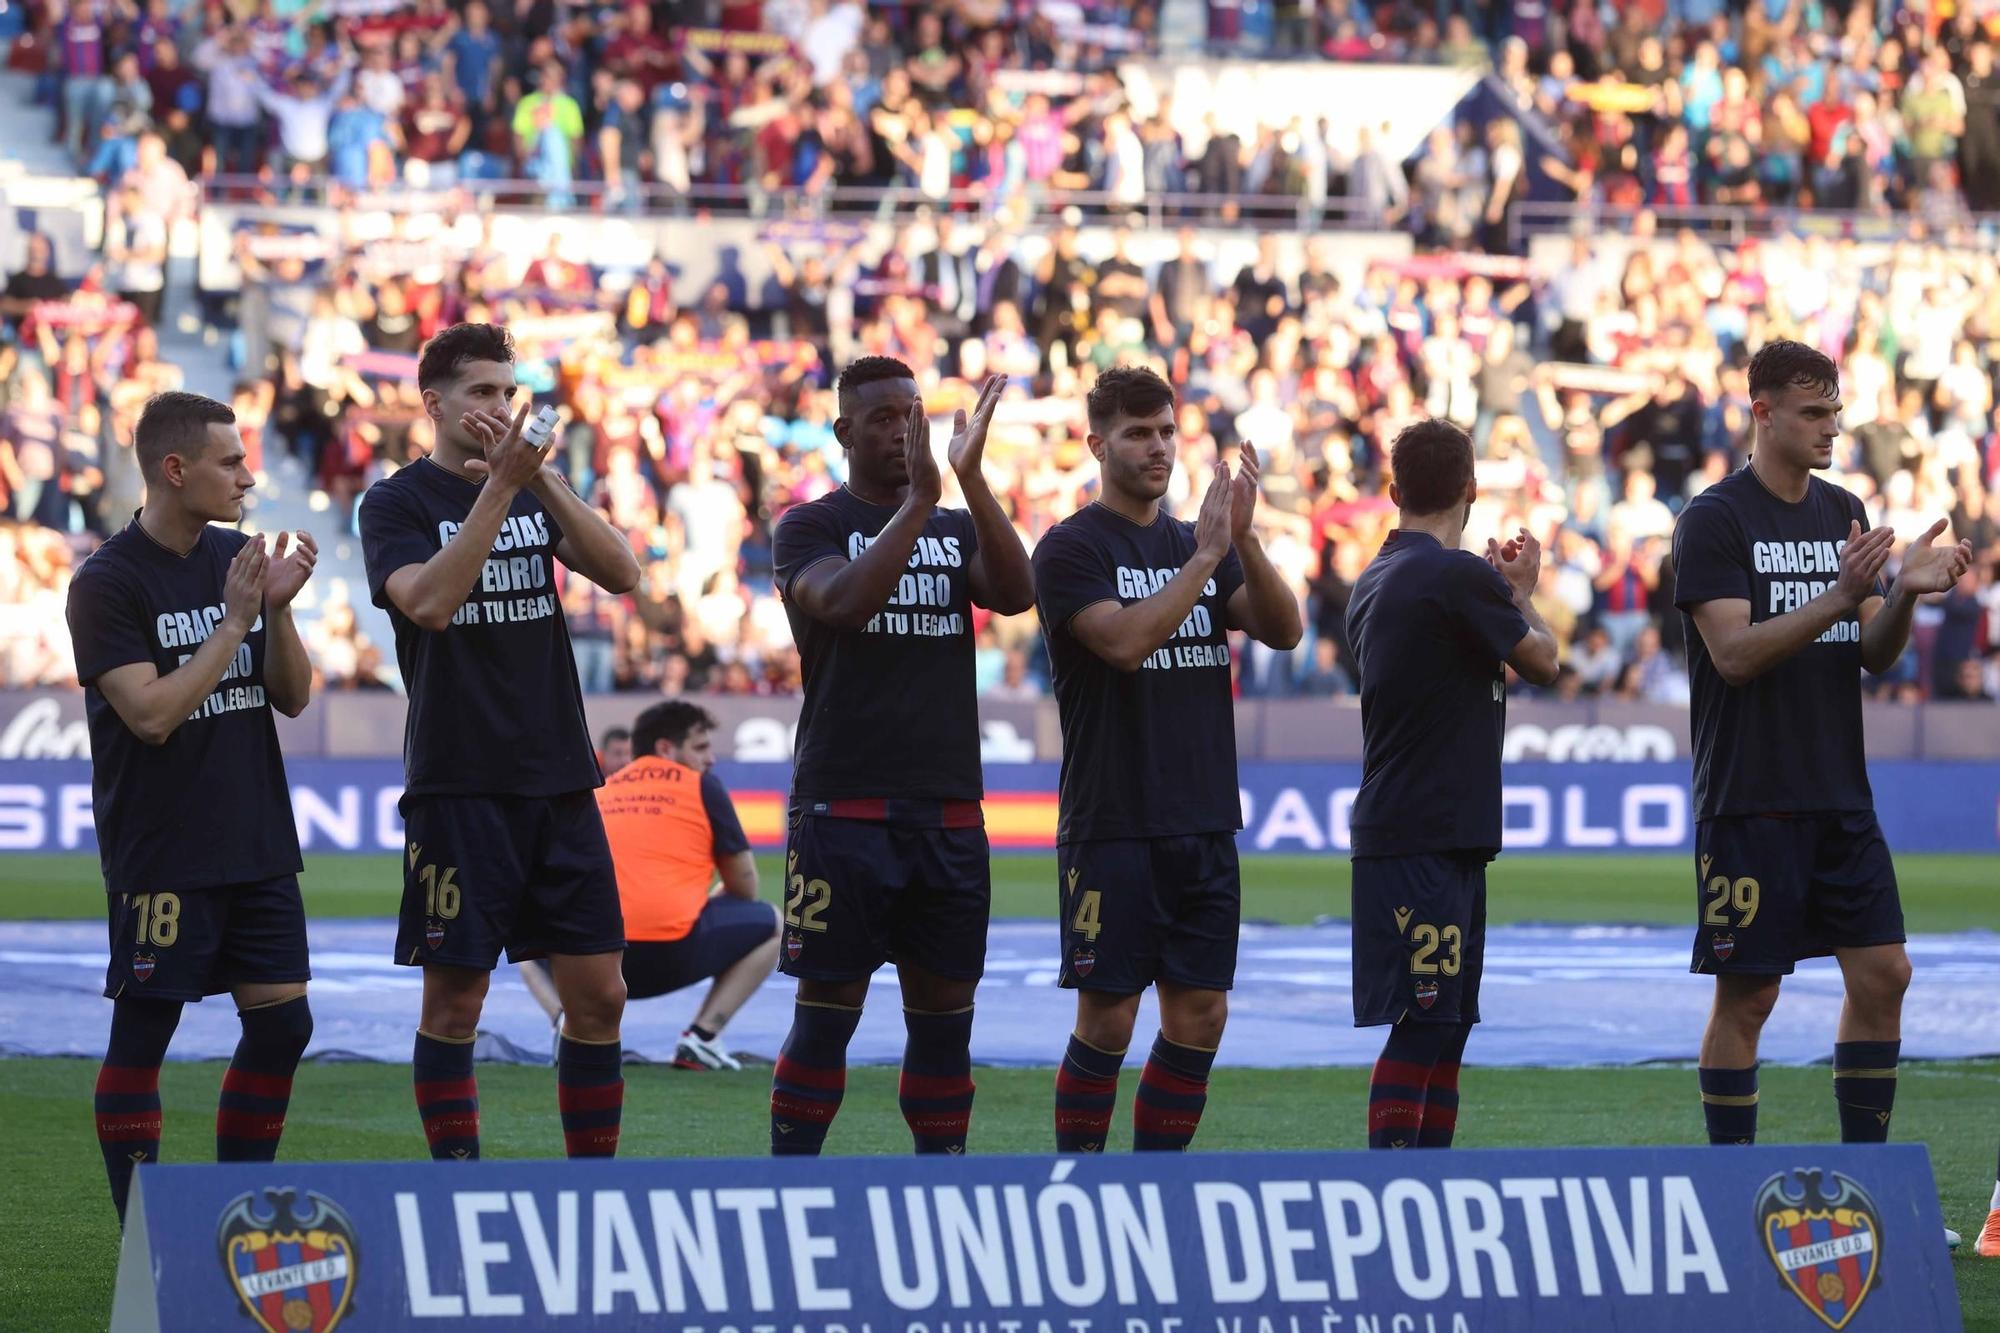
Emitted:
<point x="287" y="668"/>
<point x="1269" y="611"/>
<point x="590" y="545"/>
<point x="847" y="596"/>
<point x="1536" y="659"/>
<point x="739" y="876"/>
<point x="1002" y="578"/>
<point x="1886" y="633"/>
<point x="154" y="706"/>
<point x="430" y="594"/>
<point x="1125" y="636"/>
<point x="1742" y="651"/>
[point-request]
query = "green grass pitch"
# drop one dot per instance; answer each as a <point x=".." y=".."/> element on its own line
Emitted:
<point x="58" y="1241"/>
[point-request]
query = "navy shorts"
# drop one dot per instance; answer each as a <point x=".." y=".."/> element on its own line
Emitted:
<point x="530" y="875"/>
<point x="1772" y="889"/>
<point x="727" y="930"/>
<point x="860" y="893"/>
<point x="182" y="946"/>
<point x="1419" y="938"/>
<point x="1139" y="910"/>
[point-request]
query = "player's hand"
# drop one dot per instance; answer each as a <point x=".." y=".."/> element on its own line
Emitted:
<point x="1928" y="568"/>
<point x="510" y="460"/>
<point x="1212" y="526"/>
<point x="1862" y="560"/>
<point x="1243" y="493"/>
<point x="1519" y="562"/>
<point x="287" y="573"/>
<point x="967" y="449"/>
<point x="926" y="486"/>
<point x="243" y="586"/>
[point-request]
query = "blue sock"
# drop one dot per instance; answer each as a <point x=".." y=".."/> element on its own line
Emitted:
<point x="1864" y="1088"/>
<point x="1729" y="1104"/>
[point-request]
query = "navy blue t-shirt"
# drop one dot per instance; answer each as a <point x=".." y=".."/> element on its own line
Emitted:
<point x="1431" y="631"/>
<point x="1788" y="742"/>
<point x="890" y="708"/>
<point x="211" y="806"/>
<point x="495" y="708"/>
<point x="1148" y="753"/>
<point x="726" y="837"/>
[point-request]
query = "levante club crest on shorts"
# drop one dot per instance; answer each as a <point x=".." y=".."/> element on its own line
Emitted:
<point x="142" y="966"/>
<point x="1826" y="1244"/>
<point x="1723" y="943"/>
<point x="1082" y="959"/>
<point x="433" y="933"/>
<point x="293" y="1270"/>
<point x="795" y="944"/>
<point x="1427" y="994"/>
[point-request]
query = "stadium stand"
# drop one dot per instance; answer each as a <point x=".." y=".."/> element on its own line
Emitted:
<point x="1042" y="190"/>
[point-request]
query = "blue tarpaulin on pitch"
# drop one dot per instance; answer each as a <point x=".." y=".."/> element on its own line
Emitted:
<point x="1553" y="995"/>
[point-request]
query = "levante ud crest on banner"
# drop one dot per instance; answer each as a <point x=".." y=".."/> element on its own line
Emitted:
<point x="293" y="1270"/>
<point x="1825" y="1243"/>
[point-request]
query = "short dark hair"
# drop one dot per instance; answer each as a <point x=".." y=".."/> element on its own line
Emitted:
<point x="869" y="370"/>
<point x="613" y="734"/>
<point x="1126" y="391"/>
<point x="1782" y="364"/>
<point x="1431" y="462"/>
<point x="176" y="423"/>
<point x="451" y="348"/>
<point x="672" y="722"/>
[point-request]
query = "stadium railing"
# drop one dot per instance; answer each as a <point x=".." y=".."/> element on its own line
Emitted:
<point x="1733" y="223"/>
<point x="1042" y="207"/>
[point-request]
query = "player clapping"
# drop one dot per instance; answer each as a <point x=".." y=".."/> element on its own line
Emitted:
<point x="504" y="846"/>
<point x="184" y="643"/>
<point x="1136" y="607"/>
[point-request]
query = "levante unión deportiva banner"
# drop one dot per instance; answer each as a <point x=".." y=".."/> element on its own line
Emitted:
<point x="1766" y="1238"/>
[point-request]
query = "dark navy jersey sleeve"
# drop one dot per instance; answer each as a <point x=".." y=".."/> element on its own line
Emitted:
<point x="1484" y="606"/>
<point x="395" y="534"/>
<point x="1070" y="574"/>
<point x="107" y="623"/>
<point x="725" y="829"/>
<point x="1711" y="559"/>
<point x="806" y="535"/>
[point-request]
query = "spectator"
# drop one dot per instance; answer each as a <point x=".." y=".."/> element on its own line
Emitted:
<point x="548" y="126"/>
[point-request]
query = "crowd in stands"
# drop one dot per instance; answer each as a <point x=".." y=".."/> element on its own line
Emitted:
<point x="1775" y="103"/>
<point x="1603" y="386"/>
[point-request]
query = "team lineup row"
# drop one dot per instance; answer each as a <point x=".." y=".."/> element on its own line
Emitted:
<point x="185" y="642"/>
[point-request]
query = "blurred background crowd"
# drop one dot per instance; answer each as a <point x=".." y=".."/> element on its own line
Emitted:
<point x="971" y="187"/>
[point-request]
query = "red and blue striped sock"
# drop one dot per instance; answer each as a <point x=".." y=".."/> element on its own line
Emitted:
<point x="936" y="1088"/>
<point x="1173" y="1089"/>
<point x="257" y="1089"/>
<point x="1086" y="1095"/>
<point x="127" y="1103"/>
<point x="811" y="1077"/>
<point x="1397" y="1087"/>
<point x="1440" y="1119"/>
<point x="447" y="1096"/>
<point x="590" y="1091"/>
